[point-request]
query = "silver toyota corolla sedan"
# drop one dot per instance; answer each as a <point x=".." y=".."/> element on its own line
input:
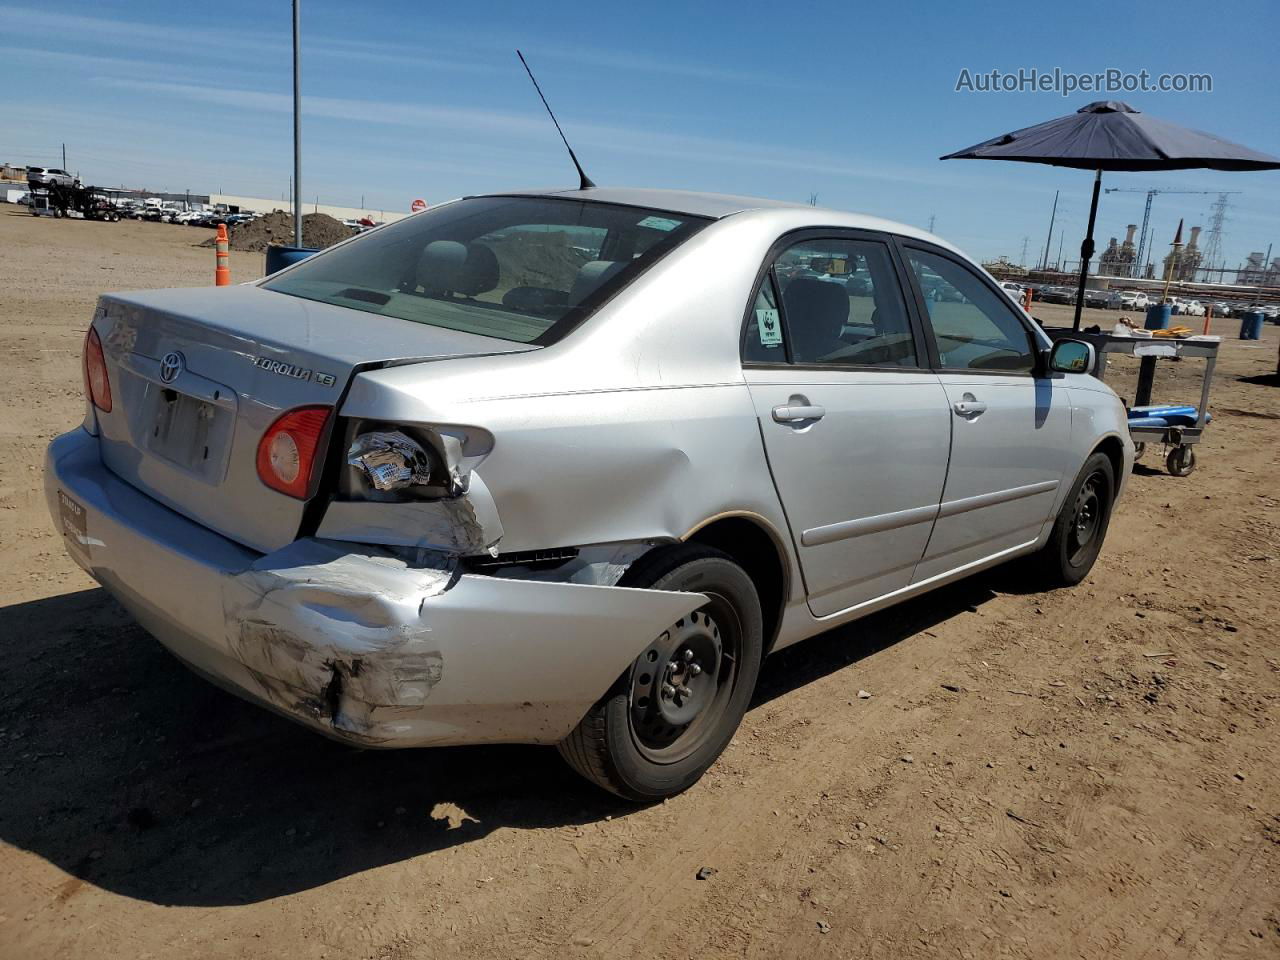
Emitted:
<point x="563" y="467"/>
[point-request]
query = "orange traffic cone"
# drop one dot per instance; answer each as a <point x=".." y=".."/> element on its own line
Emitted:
<point x="222" y="268"/>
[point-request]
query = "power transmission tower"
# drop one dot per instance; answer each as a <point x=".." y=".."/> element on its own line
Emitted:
<point x="1022" y="261"/>
<point x="813" y="199"/>
<point x="933" y="217"/>
<point x="1213" y="244"/>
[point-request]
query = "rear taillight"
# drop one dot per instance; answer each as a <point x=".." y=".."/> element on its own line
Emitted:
<point x="287" y="451"/>
<point x="96" y="383"/>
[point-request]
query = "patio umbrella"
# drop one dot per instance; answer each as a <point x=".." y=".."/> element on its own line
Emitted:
<point x="1110" y="135"/>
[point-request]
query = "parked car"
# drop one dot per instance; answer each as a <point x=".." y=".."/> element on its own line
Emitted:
<point x="1193" y="308"/>
<point x="602" y="497"/>
<point x="41" y="178"/>
<point x="1015" y="290"/>
<point x="1059" y="295"/>
<point x="1127" y="300"/>
<point x="1094" y="297"/>
<point x="1221" y="308"/>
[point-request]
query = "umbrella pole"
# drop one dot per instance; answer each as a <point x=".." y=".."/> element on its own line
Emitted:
<point x="1086" y="250"/>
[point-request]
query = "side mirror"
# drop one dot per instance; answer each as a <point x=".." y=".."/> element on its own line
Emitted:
<point x="1071" y="356"/>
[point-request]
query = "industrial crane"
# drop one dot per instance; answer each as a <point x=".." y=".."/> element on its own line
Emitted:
<point x="1139" y="260"/>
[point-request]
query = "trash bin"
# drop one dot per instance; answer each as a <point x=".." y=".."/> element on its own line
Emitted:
<point x="1251" y="326"/>
<point x="1158" y="316"/>
<point x="279" y="257"/>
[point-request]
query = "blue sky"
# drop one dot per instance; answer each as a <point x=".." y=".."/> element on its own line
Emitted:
<point x="853" y="102"/>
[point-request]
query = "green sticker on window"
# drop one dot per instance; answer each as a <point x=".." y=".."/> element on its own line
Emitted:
<point x="770" y="328"/>
<point x="659" y="223"/>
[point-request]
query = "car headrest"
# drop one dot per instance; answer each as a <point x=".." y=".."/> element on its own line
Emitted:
<point x="817" y="311"/>
<point x="591" y="276"/>
<point x="465" y="268"/>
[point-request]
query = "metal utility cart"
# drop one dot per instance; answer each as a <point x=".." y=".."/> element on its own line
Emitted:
<point x="1178" y="438"/>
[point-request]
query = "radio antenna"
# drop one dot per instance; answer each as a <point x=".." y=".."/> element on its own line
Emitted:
<point x="585" y="182"/>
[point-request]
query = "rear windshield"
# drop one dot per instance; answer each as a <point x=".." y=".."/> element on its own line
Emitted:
<point x="526" y="269"/>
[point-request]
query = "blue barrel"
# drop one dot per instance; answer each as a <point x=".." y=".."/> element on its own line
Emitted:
<point x="1251" y="326"/>
<point x="1158" y="316"/>
<point x="279" y="257"/>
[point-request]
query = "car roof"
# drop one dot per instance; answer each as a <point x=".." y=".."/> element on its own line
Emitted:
<point x="718" y="206"/>
<point x="713" y="205"/>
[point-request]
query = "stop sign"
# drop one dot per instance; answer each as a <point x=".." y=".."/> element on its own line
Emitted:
<point x="418" y="205"/>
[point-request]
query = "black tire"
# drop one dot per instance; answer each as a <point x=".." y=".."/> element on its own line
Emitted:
<point x="1181" y="460"/>
<point x="632" y="743"/>
<point x="1081" y="526"/>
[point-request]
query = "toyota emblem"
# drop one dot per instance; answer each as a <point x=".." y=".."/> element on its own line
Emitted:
<point x="170" y="366"/>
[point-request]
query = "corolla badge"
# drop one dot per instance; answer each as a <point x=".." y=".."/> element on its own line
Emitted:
<point x="171" y="365"/>
<point x="293" y="371"/>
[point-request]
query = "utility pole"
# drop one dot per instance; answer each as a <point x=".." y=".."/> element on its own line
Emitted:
<point x="932" y="219"/>
<point x="64" y="156"/>
<point x="297" y="133"/>
<point x="1052" y="216"/>
<point x="1061" y="234"/>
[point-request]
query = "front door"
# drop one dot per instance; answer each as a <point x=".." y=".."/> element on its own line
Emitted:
<point x="1010" y="429"/>
<point x="855" y="427"/>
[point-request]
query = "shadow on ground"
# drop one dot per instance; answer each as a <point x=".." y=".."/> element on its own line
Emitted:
<point x="1263" y="380"/>
<point x="131" y="773"/>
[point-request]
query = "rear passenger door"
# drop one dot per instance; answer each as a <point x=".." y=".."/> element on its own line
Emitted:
<point x="855" y="426"/>
<point x="1010" y="424"/>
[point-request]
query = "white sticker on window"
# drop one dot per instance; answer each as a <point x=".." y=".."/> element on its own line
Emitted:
<point x="770" y="328"/>
<point x="659" y="223"/>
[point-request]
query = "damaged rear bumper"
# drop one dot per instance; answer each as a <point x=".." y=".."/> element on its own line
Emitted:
<point x="351" y="641"/>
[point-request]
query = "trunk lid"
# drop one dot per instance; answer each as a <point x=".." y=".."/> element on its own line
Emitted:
<point x="243" y="355"/>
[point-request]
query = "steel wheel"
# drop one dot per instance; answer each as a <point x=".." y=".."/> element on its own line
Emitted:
<point x="1086" y="517"/>
<point x="673" y="711"/>
<point x="1080" y="527"/>
<point x="680" y="684"/>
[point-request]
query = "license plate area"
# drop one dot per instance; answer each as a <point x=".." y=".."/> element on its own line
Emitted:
<point x="188" y="432"/>
<point x="75" y="526"/>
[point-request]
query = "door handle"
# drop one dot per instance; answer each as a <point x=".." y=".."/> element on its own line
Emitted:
<point x="797" y="412"/>
<point x="969" y="406"/>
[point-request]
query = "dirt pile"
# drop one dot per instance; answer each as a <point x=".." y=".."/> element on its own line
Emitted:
<point x="319" y="230"/>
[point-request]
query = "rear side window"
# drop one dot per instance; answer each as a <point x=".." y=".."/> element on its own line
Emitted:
<point x="526" y="269"/>
<point x="841" y="304"/>
<point x="974" y="328"/>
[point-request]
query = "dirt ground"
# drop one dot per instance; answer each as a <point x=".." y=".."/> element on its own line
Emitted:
<point x="1085" y="773"/>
